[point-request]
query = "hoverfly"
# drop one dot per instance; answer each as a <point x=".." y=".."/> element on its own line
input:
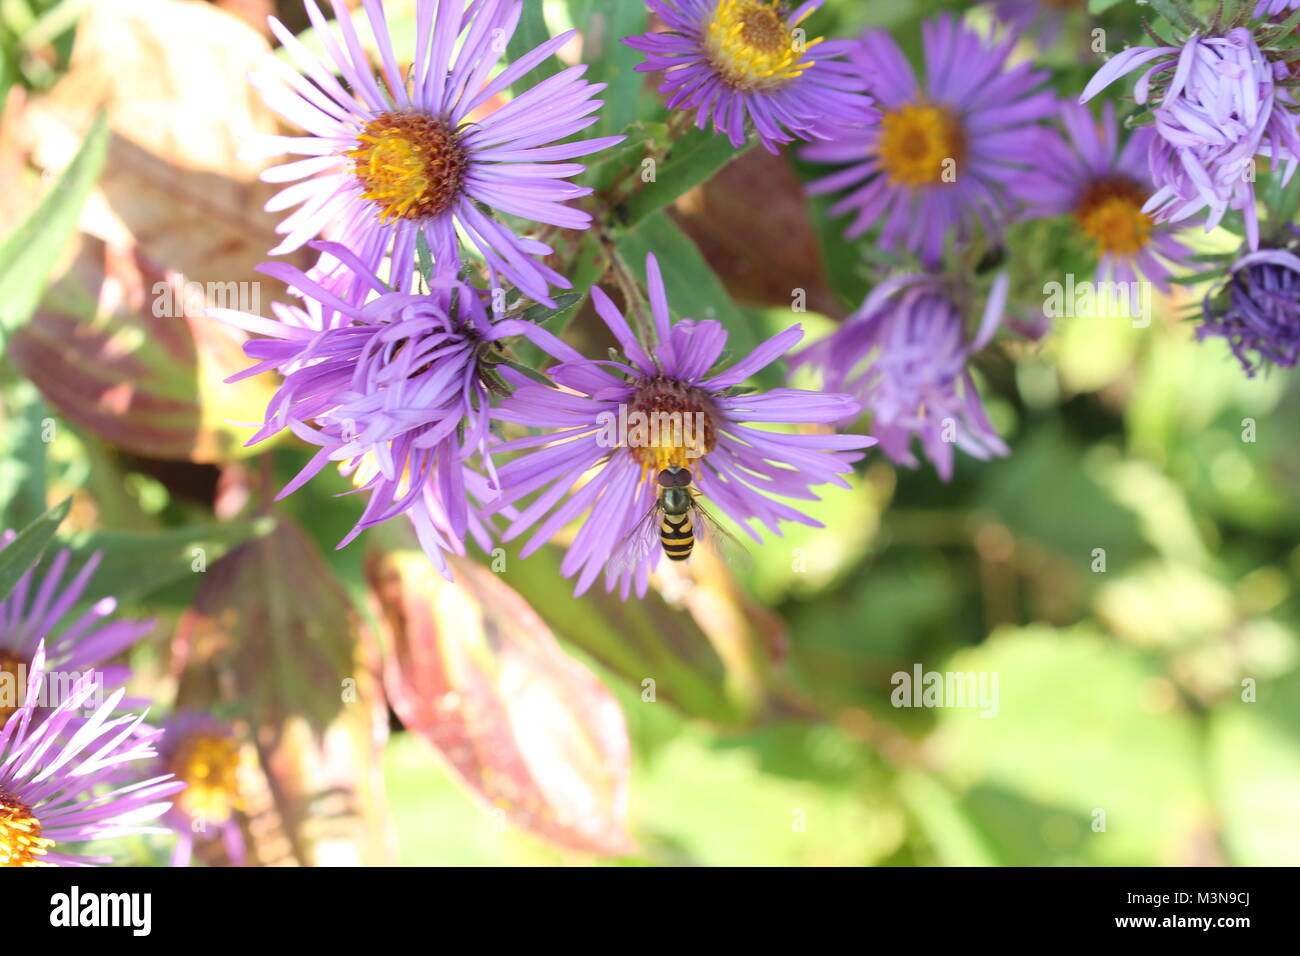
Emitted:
<point x="676" y="522"/>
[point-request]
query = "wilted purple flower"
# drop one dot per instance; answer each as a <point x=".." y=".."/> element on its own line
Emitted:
<point x="36" y="611"/>
<point x="62" y="778"/>
<point x="1220" y="110"/>
<point x="945" y="156"/>
<point x="735" y="466"/>
<point x="393" y="157"/>
<point x="204" y="754"/>
<point x="1105" y="185"/>
<point x="733" y="60"/>
<point x="1258" y="311"/>
<point x="395" y="391"/>
<point x="905" y="354"/>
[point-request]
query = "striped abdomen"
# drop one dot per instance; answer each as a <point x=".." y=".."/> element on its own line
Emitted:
<point x="677" y="535"/>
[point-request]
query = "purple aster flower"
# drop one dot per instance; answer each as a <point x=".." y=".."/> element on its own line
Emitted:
<point x="735" y="466"/>
<point x="1220" y="109"/>
<point x="205" y="754"/>
<point x="733" y="60"/>
<point x="62" y="778"/>
<point x="945" y="156"/>
<point x="1258" y="310"/>
<point x="1105" y="184"/>
<point x="906" y="355"/>
<point x="1272" y="8"/>
<point x="37" y="610"/>
<point x="1045" y="17"/>
<point x="394" y="156"/>
<point x="395" y="391"/>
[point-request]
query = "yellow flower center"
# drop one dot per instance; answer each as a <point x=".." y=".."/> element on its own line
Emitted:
<point x="751" y="47"/>
<point x="411" y="164"/>
<point x="21" y="843"/>
<point x="1110" y="213"/>
<point x="921" y="144"/>
<point x="209" y="765"/>
<point x="668" y="425"/>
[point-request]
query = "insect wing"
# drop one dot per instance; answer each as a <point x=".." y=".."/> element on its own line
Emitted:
<point x="711" y="536"/>
<point x="637" y="544"/>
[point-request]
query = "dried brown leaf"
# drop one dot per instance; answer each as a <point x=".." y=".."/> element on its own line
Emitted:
<point x="476" y="673"/>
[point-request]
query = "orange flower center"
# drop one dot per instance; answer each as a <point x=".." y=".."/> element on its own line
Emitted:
<point x="669" y="425"/>
<point x="921" y="144"/>
<point x="411" y="164"/>
<point x="21" y="843"/>
<point x="1110" y="213"/>
<point x="753" y="48"/>
<point x="209" y="765"/>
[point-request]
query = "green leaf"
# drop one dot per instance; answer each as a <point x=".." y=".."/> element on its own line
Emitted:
<point x="694" y="291"/>
<point x="541" y="314"/>
<point x="639" y="138"/>
<point x="535" y="375"/>
<point x="135" y="565"/>
<point x="272" y="639"/>
<point x="633" y="639"/>
<point x="28" y="256"/>
<point x="956" y="838"/>
<point x="26" y="549"/>
<point x="1045" y="493"/>
<point x="55" y="25"/>
<point x="612" y="62"/>
<point x="424" y="256"/>
<point x="1135" y="763"/>
<point x="1289" y="25"/>
<point x="1283" y="203"/>
<point x="1198" y="277"/>
<point x="22" y="454"/>
<point x="692" y="160"/>
<point x="1254" y="759"/>
<point x="7" y="76"/>
<point x="1174" y="12"/>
